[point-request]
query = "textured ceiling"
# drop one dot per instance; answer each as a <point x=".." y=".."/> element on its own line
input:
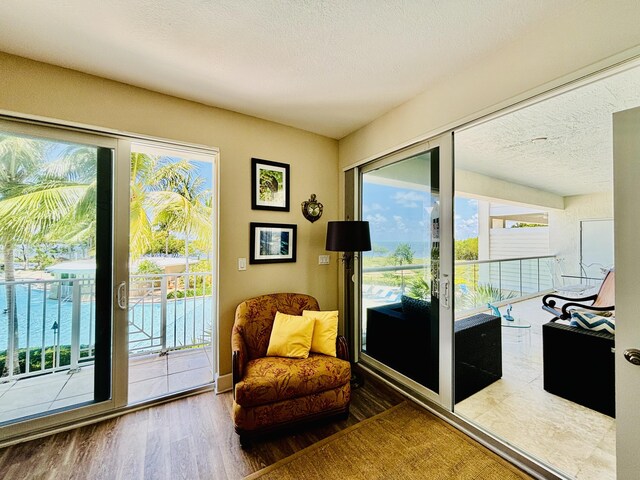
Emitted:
<point x="576" y="158"/>
<point x="327" y="66"/>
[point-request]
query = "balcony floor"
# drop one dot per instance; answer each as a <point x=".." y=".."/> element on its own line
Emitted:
<point x="150" y="376"/>
<point x="576" y="440"/>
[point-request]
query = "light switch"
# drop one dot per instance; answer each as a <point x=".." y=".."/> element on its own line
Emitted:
<point x="323" y="259"/>
<point x="242" y="264"/>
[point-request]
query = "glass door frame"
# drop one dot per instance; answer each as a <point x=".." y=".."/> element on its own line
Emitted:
<point x="34" y="425"/>
<point x="444" y="143"/>
<point x="120" y="143"/>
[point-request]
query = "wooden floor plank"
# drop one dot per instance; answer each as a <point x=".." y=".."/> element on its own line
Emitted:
<point x="189" y="438"/>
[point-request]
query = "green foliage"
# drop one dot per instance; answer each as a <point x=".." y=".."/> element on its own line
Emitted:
<point x="35" y="358"/>
<point x="271" y="182"/>
<point x="190" y="292"/>
<point x="402" y="255"/>
<point x="483" y="294"/>
<point x="149" y="267"/>
<point x="201" y="266"/>
<point x="466" y="249"/>
<point x="527" y="225"/>
<point x="419" y="288"/>
<point x="163" y="243"/>
<point x="42" y="259"/>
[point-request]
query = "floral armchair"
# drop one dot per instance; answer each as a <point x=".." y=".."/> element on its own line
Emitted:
<point x="275" y="392"/>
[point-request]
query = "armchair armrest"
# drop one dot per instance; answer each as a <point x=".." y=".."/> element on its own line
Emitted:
<point x="549" y="304"/>
<point x="238" y="358"/>
<point x="548" y="301"/>
<point x="342" y="350"/>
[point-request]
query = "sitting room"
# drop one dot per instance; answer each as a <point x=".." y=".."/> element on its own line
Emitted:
<point x="259" y="239"/>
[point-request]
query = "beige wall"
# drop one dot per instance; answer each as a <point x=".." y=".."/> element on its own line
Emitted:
<point x="566" y="45"/>
<point x="564" y="226"/>
<point x="39" y="89"/>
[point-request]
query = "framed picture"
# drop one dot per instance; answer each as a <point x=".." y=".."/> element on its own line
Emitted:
<point x="269" y="185"/>
<point x="272" y="243"/>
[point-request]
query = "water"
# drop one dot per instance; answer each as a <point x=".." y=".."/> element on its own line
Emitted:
<point x="420" y="249"/>
<point x="37" y="314"/>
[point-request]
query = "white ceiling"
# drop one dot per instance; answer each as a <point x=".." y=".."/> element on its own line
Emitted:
<point x="576" y="158"/>
<point x="327" y="66"/>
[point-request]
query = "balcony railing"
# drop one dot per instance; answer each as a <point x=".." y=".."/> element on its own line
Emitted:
<point x="56" y="320"/>
<point x="477" y="282"/>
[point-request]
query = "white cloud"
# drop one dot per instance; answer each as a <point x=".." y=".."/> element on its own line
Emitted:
<point x="466" y="228"/>
<point x="376" y="219"/>
<point x="400" y="225"/>
<point x="410" y="199"/>
<point x="374" y="207"/>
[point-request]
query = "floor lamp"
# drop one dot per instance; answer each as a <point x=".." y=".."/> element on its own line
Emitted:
<point x="349" y="237"/>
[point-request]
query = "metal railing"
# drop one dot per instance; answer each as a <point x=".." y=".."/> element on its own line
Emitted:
<point x="55" y="320"/>
<point x="169" y="311"/>
<point x="477" y="282"/>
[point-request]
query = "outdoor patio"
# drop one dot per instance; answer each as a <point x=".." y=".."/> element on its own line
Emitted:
<point x="579" y="441"/>
<point x="150" y="376"/>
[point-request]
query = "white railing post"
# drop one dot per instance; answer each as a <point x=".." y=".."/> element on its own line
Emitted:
<point x="11" y="311"/>
<point x="163" y="314"/>
<point x="520" y="266"/>
<point x="76" y="299"/>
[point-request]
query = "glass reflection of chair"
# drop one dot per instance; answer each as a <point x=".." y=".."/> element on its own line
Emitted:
<point x="574" y="285"/>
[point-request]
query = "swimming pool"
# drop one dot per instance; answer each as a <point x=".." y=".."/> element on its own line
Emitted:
<point x="188" y="320"/>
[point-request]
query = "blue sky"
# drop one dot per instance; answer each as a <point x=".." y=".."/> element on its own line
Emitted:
<point x="395" y="213"/>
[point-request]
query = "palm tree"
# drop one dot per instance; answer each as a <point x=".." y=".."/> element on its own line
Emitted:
<point x="186" y="209"/>
<point x="36" y="198"/>
<point x="403" y="254"/>
<point x="166" y="194"/>
<point x="150" y="175"/>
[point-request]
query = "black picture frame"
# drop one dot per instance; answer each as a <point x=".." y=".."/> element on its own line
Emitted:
<point x="269" y="185"/>
<point x="272" y="243"/>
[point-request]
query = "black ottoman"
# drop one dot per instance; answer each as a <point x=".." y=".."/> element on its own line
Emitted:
<point x="478" y="354"/>
<point x="579" y="365"/>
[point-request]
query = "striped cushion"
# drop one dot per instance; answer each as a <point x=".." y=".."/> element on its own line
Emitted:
<point x="592" y="321"/>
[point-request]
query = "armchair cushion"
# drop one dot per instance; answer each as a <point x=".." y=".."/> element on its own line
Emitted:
<point x="291" y="336"/>
<point x="254" y="318"/>
<point x="325" y="331"/>
<point x="271" y="379"/>
<point x="592" y="321"/>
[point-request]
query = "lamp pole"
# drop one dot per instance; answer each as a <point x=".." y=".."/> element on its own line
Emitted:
<point x="349" y="237"/>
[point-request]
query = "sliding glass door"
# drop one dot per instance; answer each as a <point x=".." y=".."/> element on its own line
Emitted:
<point x="405" y="311"/>
<point x="171" y="262"/>
<point x="56" y="216"/>
<point x="107" y="269"/>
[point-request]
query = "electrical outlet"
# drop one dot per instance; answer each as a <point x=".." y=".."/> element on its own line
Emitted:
<point x="242" y="264"/>
<point x="323" y="259"/>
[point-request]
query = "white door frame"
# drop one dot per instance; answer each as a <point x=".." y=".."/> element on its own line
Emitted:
<point x="444" y="143"/>
<point x="626" y="176"/>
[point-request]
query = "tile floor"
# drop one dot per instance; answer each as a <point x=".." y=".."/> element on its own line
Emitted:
<point x="149" y="376"/>
<point x="577" y="441"/>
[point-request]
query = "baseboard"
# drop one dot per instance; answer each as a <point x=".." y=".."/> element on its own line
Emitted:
<point x="224" y="383"/>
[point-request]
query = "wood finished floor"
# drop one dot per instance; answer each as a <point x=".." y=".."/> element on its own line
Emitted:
<point x="191" y="438"/>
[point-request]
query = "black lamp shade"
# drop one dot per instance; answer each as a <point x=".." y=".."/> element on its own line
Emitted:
<point x="348" y="236"/>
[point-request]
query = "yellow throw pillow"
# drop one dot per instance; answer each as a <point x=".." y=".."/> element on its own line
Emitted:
<point x="324" y="332"/>
<point x="291" y="336"/>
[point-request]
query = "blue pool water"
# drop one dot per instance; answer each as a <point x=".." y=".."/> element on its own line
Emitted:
<point x="188" y="320"/>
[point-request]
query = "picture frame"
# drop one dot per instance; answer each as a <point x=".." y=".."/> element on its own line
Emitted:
<point x="272" y="243"/>
<point x="269" y="185"/>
